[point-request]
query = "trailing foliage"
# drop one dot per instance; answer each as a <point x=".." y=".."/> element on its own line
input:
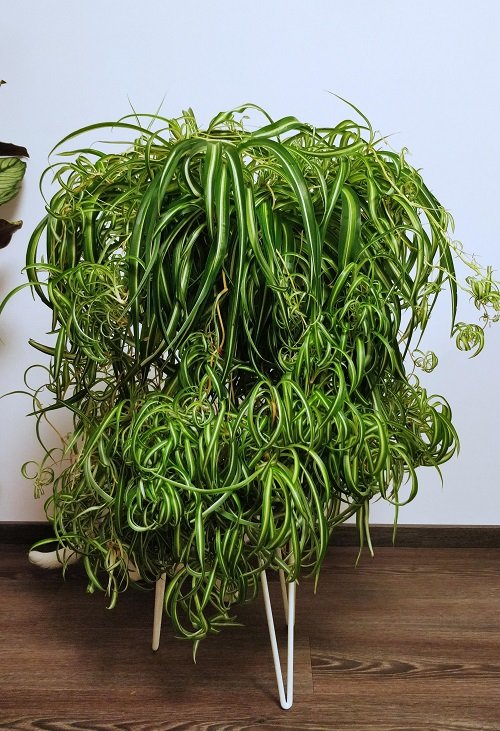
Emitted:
<point x="232" y="312"/>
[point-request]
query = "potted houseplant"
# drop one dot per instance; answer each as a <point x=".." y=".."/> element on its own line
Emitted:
<point x="12" y="170"/>
<point x="234" y="313"/>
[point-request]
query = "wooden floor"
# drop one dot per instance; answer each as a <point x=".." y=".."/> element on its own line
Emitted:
<point x="407" y="641"/>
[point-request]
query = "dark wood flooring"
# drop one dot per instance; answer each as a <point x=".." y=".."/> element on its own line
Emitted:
<point x="407" y="641"/>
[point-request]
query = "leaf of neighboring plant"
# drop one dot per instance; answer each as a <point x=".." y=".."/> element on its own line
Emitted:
<point x="11" y="173"/>
<point x="7" y="148"/>
<point x="350" y="228"/>
<point x="7" y="228"/>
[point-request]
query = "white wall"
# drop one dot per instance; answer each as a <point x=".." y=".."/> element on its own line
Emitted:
<point x="426" y="71"/>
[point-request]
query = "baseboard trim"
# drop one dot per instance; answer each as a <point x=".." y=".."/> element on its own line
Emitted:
<point x="408" y="536"/>
<point x="20" y="533"/>
<point x="423" y="536"/>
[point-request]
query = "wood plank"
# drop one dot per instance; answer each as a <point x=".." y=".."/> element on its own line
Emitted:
<point x="406" y="641"/>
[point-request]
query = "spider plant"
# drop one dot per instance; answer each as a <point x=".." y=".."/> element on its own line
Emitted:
<point x="237" y="317"/>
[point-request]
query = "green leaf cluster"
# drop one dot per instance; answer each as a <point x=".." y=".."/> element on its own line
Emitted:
<point x="234" y="312"/>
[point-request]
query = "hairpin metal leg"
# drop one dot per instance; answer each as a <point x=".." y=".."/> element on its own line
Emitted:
<point x="159" y="597"/>
<point x="284" y="590"/>
<point x="286" y="701"/>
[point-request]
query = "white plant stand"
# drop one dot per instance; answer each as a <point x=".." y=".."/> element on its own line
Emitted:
<point x="289" y="594"/>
